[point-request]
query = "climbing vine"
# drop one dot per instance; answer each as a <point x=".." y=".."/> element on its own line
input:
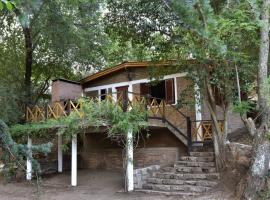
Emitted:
<point x="94" y="114"/>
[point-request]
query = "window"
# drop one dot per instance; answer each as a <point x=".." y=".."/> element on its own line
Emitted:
<point x="162" y="90"/>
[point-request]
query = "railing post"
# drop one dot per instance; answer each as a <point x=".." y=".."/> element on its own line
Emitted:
<point x="68" y="106"/>
<point x="163" y="109"/>
<point x="124" y="101"/>
<point x="189" y="135"/>
<point x="46" y="110"/>
<point x="145" y="106"/>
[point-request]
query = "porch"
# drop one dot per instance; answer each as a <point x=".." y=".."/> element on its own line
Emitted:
<point x="182" y="122"/>
<point x="161" y="114"/>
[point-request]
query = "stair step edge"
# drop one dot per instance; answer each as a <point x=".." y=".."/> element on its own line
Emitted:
<point x="171" y="193"/>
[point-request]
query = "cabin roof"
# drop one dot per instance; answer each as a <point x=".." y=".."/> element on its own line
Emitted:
<point x="122" y="66"/>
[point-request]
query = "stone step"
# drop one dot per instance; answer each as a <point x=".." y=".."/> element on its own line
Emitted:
<point x="201" y="154"/>
<point x="184" y="188"/>
<point x="203" y="148"/>
<point x="194" y="164"/>
<point x="197" y="159"/>
<point x="170" y="193"/>
<point x="172" y="175"/>
<point x="204" y="183"/>
<point x="167" y="169"/>
<point x="185" y="169"/>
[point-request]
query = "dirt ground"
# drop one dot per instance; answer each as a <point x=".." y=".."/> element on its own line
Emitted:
<point x="92" y="185"/>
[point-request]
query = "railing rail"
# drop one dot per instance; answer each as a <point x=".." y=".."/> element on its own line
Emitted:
<point x="202" y="130"/>
<point x="192" y="131"/>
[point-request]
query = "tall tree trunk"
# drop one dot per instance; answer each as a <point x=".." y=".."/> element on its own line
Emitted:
<point x="219" y="149"/>
<point x="255" y="181"/>
<point x="28" y="63"/>
<point x="28" y="44"/>
<point x="225" y="123"/>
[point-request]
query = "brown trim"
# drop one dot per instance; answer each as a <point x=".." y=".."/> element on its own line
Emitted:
<point x="121" y="66"/>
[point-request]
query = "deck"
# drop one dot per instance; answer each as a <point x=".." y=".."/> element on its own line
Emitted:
<point x="160" y="114"/>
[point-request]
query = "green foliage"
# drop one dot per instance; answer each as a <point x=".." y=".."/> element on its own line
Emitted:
<point x="9" y="110"/>
<point x="219" y="36"/>
<point x="67" y="40"/>
<point x="242" y="107"/>
<point x="92" y="114"/>
<point x="8" y="5"/>
<point x="14" y="154"/>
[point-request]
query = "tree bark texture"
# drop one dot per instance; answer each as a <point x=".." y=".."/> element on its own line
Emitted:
<point x="263" y="60"/>
<point x="219" y="146"/>
<point x="28" y="63"/>
<point x="255" y="181"/>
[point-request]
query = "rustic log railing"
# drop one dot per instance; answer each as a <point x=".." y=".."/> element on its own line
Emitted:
<point x="192" y="131"/>
<point x="202" y="130"/>
<point x="55" y="110"/>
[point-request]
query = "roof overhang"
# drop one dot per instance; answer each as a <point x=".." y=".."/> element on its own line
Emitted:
<point x="123" y="66"/>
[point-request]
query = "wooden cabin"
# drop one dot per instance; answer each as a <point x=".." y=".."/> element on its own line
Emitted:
<point x="171" y="132"/>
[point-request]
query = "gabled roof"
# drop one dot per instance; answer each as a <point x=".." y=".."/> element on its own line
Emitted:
<point x="124" y="65"/>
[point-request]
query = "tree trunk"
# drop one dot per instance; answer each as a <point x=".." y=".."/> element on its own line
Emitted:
<point x="28" y="63"/>
<point x="219" y="149"/>
<point x="254" y="182"/>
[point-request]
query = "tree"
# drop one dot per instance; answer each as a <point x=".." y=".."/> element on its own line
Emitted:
<point x="218" y="35"/>
<point x="60" y="39"/>
<point x="255" y="180"/>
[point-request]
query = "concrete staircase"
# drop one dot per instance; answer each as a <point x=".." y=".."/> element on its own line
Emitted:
<point x="191" y="175"/>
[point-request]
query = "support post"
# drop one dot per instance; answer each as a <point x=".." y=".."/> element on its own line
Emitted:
<point x="74" y="161"/>
<point x="29" y="162"/>
<point x="60" y="154"/>
<point x="114" y="94"/>
<point x="129" y="157"/>
<point x="198" y="114"/>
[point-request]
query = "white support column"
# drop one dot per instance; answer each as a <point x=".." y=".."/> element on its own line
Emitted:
<point x="129" y="155"/>
<point x="29" y="162"/>
<point x="175" y="90"/>
<point x="60" y="154"/>
<point x="99" y="93"/>
<point x="114" y="94"/>
<point x="130" y="94"/>
<point x="74" y="161"/>
<point x="198" y="110"/>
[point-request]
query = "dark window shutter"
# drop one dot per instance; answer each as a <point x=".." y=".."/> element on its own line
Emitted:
<point x="169" y="86"/>
<point x="144" y="88"/>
